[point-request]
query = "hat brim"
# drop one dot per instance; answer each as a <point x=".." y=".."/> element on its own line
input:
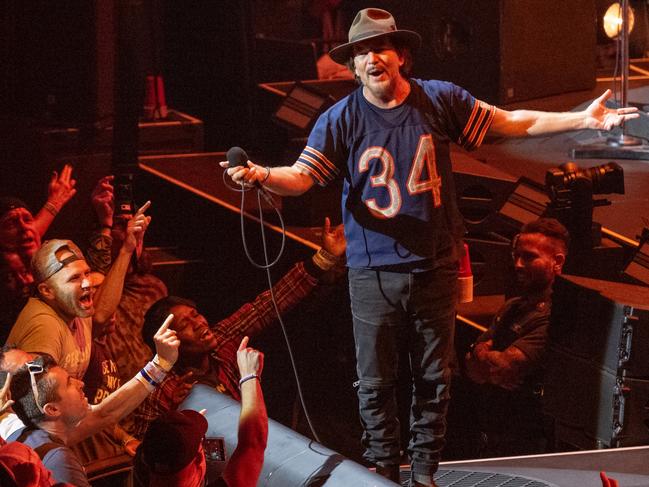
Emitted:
<point x="341" y="54"/>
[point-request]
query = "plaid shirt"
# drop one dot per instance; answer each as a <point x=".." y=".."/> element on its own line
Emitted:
<point x="223" y="373"/>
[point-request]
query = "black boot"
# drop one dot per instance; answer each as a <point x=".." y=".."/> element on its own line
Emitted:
<point x="390" y="472"/>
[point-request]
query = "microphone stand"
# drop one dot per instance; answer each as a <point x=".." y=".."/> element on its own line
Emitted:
<point x="623" y="145"/>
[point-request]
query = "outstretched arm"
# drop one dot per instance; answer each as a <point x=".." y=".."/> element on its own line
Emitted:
<point x="246" y="462"/>
<point x="130" y="395"/>
<point x="597" y="116"/>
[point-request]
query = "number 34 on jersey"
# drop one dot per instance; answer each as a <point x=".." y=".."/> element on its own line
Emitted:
<point x="424" y="159"/>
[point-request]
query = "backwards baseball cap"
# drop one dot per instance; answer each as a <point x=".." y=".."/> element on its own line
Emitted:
<point x="46" y="261"/>
<point x="171" y="442"/>
<point x="8" y="203"/>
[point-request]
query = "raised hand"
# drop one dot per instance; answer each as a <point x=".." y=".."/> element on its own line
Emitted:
<point x="136" y="228"/>
<point x="600" y="117"/>
<point x="103" y="201"/>
<point x="166" y="342"/>
<point x="333" y="239"/>
<point x="61" y="187"/>
<point x="249" y="360"/>
<point x="5" y="403"/>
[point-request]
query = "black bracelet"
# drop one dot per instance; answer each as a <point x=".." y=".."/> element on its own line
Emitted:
<point x="267" y="175"/>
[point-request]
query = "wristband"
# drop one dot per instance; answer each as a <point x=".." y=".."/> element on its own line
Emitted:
<point x="267" y="175"/>
<point x="144" y="382"/>
<point x="324" y="260"/>
<point x="247" y="378"/>
<point x="155" y="372"/>
<point x="162" y="362"/>
<point x="51" y="208"/>
<point x="128" y="439"/>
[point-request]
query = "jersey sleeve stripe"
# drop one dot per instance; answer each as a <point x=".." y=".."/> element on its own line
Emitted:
<point x="485" y="128"/>
<point x="477" y="126"/>
<point x="317" y="165"/>
<point x="321" y="157"/>
<point x="314" y="174"/>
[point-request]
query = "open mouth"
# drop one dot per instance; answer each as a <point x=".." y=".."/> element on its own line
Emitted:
<point x="27" y="242"/>
<point x="206" y="335"/>
<point x="86" y="301"/>
<point x="375" y="72"/>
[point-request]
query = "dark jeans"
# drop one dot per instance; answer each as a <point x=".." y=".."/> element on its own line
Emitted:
<point x="392" y="310"/>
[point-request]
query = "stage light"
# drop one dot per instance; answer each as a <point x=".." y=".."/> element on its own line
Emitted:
<point x="613" y="20"/>
<point x="617" y="145"/>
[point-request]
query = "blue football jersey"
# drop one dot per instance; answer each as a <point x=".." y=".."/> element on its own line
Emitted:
<point x="398" y="195"/>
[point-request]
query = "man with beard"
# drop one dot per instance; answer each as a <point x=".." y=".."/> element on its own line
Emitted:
<point x="390" y="141"/>
<point x="507" y="360"/>
<point x="52" y="405"/>
<point x="59" y="321"/>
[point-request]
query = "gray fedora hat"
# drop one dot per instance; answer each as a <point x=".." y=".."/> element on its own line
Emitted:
<point x="371" y="23"/>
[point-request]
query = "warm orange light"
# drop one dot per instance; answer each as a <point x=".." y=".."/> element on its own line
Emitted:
<point x="613" y="20"/>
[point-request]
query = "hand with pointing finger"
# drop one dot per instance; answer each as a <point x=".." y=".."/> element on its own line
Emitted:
<point x="166" y="342"/>
<point x="249" y="360"/>
<point x="136" y="229"/>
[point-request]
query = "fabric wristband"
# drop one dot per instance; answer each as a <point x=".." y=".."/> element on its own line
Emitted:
<point x="150" y="387"/>
<point x="155" y="372"/>
<point x="163" y="363"/>
<point x="324" y="260"/>
<point x="51" y="208"/>
<point x="247" y="378"/>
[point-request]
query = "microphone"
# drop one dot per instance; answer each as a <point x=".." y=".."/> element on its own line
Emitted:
<point x="237" y="157"/>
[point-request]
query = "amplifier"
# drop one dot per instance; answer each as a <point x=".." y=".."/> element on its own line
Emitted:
<point x="592" y="407"/>
<point x="604" y="322"/>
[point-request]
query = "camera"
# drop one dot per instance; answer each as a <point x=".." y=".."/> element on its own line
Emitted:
<point x="124" y="200"/>
<point x="571" y="191"/>
<point x="568" y="182"/>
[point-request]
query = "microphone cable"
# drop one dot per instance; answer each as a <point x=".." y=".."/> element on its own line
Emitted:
<point x="267" y="266"/>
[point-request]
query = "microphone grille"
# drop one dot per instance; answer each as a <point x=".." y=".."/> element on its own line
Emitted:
<point x="236" y="157"/>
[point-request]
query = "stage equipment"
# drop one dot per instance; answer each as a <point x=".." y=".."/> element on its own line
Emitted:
<point x="637" y="269"/>
<point x="504" y="51"/>
<point x="290" y="458"/>
<point x="571" y="191"/>
<point x="596" y="382"/>
<point x="301" y="107"/>
<point x="481" y="189"/>
<point x="618" y="23"/>
<point x="527" y="202"/>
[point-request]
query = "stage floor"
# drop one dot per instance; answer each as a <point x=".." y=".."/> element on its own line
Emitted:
<point x="574" y="469"/>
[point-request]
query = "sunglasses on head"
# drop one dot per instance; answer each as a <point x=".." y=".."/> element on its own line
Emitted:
<point x="35" y="369"/>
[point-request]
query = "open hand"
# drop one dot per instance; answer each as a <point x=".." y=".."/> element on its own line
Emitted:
<point x="61" y="188"/>
<point x="600" y="117"/>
